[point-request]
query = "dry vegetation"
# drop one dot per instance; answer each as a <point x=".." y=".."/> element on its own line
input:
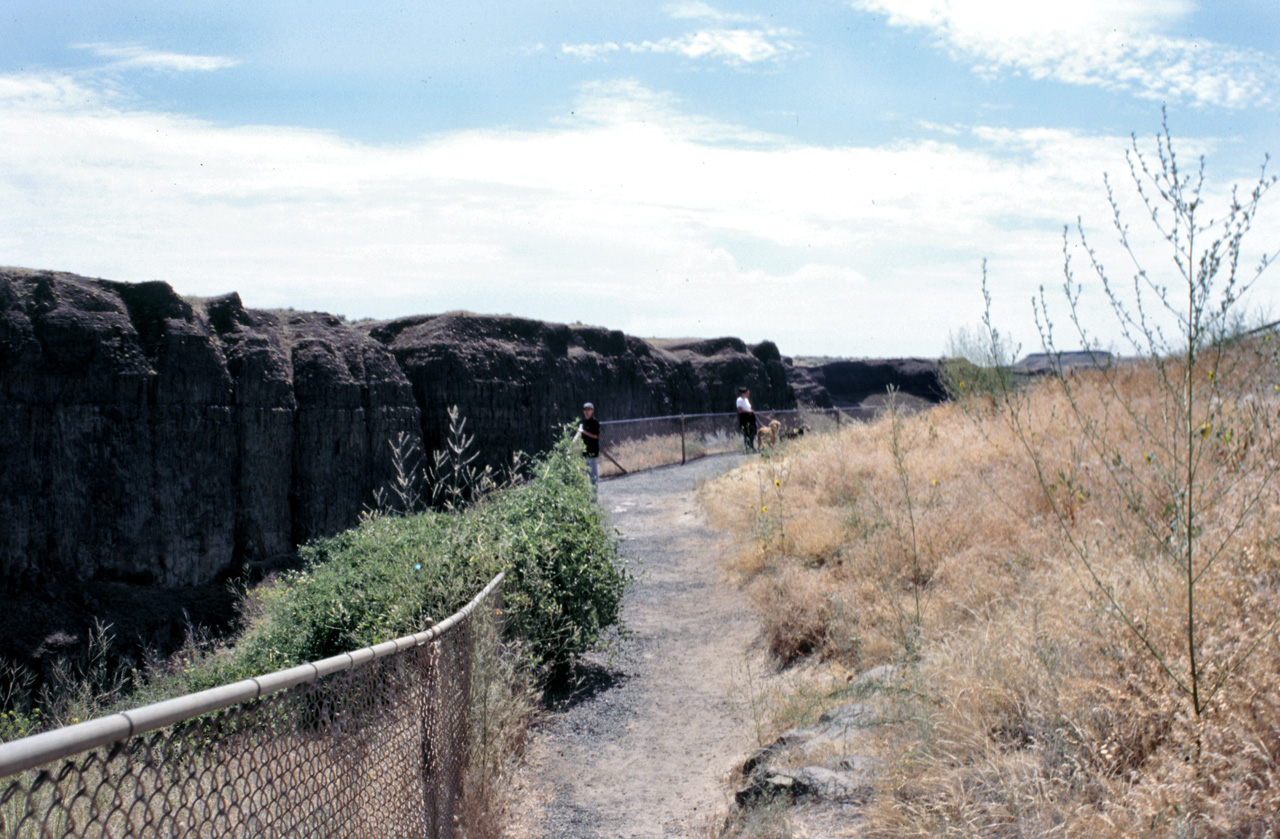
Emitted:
<point x="1050" y="702"/>
<point x="663" y="450"/>
<point x="1079" y="579"/>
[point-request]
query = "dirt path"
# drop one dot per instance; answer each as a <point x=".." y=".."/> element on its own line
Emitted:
<point x="644" y="748"/>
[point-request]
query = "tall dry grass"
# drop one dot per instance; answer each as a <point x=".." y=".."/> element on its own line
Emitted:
<point x="942" y="542"/>
<point x="656" y="450"/>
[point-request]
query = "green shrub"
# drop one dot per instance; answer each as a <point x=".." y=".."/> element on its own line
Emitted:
<point x="565" y="578"/>
<point x="978" y="363"/>
<point x="378" y="581"/>
<point x="386" y="577"/>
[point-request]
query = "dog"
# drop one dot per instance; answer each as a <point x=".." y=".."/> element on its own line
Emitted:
<point x="768" y="435"/>
<point x="799" y="431"/>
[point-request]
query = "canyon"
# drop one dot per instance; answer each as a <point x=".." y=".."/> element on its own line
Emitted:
<point x="156" y="442"/>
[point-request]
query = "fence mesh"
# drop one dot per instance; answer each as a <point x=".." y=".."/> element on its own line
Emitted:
<point x="377" y="750"/>
<point x="632" y="445"/>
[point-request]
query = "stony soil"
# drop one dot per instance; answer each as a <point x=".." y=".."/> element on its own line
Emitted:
<point x="647" y="744"/>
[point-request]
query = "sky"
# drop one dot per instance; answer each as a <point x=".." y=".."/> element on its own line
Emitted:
<point x="832" y="175"/>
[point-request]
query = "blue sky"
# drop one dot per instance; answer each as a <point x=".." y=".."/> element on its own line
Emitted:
<point x="828" y="175"/>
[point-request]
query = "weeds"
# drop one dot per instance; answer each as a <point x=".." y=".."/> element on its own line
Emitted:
<point x="978" y="363"/>
<point x="1207" y="441"/>
<point x="1100" y="577"/>
<point x="502" y="704"/>
<point x="89" y="684"/>
<point x="770" y="819"/>
<point x="917" y="569"/>
<point x="450" y="481"/>
<point x="19" y="717"/>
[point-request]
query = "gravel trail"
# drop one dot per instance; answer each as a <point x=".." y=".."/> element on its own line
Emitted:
<point x="645" y="746"/>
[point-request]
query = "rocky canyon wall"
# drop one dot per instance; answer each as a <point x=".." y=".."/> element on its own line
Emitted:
<point x="147" y="440"/>
<point x="155" y="440"/>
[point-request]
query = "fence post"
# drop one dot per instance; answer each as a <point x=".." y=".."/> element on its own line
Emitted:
<point x="682" y="438"/>
<point x="837" y="416"/>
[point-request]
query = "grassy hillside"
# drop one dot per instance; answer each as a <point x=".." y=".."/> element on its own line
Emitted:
<point x="1079" y="580"/>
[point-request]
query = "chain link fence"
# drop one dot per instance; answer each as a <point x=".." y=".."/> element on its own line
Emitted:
<point x="372" y="743"/>
<point x="636" y="444"/>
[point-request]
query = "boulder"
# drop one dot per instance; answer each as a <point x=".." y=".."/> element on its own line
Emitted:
<point x="827" y="753"/>
<point x="809" y="782"/>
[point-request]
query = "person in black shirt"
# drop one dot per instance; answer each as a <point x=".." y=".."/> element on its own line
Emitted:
<point x="589" y="431"/>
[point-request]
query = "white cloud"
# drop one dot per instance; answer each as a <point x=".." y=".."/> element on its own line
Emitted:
<point x="1113" y="44"/>
<point x="696" y="10"/>
<point x="46" y="91"/>
<point x="638" y="216"/>
<point x="125" y="56"/>
<point x="589" y="52"/>
<point x="734" y="46"/>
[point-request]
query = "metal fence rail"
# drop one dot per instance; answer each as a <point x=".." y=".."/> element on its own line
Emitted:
<point x="629" y="445"/>
<point x="371" y="743"/>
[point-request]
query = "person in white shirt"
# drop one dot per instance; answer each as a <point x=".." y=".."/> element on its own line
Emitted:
<point x="746" y="419"/>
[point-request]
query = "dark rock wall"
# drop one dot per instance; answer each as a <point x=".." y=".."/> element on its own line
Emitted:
<point x="848" y="382"/>
<point x="517" y="381"/>
<point x="146" y="441"/>
<point x="151" y="440"/>
<point x="154" y="440"/>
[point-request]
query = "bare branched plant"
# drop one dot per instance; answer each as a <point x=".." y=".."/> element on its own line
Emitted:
<point x="450" y="481"/>
<point x="908" y="570"/>
<point x="89" y="685"/>
<point x="402" y="495"/>
<point x="454" y="479"/>
<point x="456" y="482"/>
<point x="1207" y="440"/>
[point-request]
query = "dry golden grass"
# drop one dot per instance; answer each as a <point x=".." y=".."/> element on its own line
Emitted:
<point x="1041" y="711"/>
<point x="664" y="450"/>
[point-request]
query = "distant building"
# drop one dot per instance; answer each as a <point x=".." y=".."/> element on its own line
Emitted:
<point x="1038" y="364"/>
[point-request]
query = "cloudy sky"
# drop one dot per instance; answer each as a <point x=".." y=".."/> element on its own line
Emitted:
<point x="828" y="174"/>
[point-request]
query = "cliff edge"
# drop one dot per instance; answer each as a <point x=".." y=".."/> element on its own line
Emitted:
<point x="161" y="441"/>
<point x="154" y="442"/>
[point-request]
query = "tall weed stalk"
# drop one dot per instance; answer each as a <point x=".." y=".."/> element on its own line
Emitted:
<point x="1184" y="474"/>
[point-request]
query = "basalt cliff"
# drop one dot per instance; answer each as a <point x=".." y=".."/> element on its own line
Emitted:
<point x="152" y="441"/>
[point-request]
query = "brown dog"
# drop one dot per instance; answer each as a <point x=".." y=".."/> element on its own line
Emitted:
<point x="768" y="435"/>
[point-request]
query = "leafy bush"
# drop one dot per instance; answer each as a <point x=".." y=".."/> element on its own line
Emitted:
<point x="386" y="577"/>
<point x="565" y="580"/>
<point x="978" y="363"/>
<point x="378" y="581"/>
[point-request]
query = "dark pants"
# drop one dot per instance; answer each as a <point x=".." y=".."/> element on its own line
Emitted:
<point x="747" y="422"/>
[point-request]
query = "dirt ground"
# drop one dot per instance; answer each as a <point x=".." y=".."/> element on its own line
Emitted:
<point x="646" y="745"/>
